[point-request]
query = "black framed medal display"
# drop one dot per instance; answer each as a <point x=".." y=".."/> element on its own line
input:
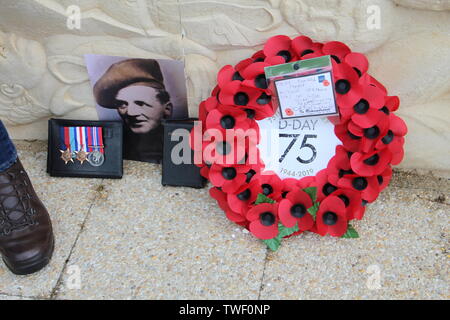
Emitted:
<point x="88" y="149"/>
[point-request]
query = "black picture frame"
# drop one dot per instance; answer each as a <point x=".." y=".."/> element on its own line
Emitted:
<point x="112" y="168"/>
<point x="182" y="175"/>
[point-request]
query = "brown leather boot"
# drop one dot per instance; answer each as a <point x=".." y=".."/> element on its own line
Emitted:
<point x="26" y="236"/>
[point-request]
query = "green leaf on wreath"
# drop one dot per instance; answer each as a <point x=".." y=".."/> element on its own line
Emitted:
<point x="351" y="233"/>
<point x="312" y="191"/>
<point x="313" y="210"/>
<point x="263" y="199"/>
<point x="273" y="244"/>
<point x="284" y="232"/>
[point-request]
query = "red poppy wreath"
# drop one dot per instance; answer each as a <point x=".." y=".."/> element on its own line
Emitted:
<point x="271" y="208"/>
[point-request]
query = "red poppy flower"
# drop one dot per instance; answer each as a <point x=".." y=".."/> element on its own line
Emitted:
<point x="306" y="182"/>
<point x="226" y="75"/>
<point x="324" y="187"/>
<point x="367" y="186"/>
<point x="391" y="103"/>
<point x="262" y="106"/>
<point x="337" y="50"/>
<point x="204" y="171"/>
<point x="240" y="200"/>
<point x="215" y="91"/>
<point x="384" y="178"/>
<point x="365" y="113"/>
<point x="289" y="184"/>
<point x="393" y="140"/>
<point x="229" y="179"/>
<point x="369" y="136"/>
<point x="220" y="197"/>
<point x="251" y="175"/>
<point x="202" y="113"/>
<point x="256" y="99"/>
<point x="248" y="138"/>
<point x="274" y="60"/>
<point x="234" y="93"/>
<point x="254" y="126"/>
<point x="224" y="149"/>
<point x="229" y="73"/>
<point x="350" y="141"/>
<point x="271" y="185"/>
<point x="368" y="79"/>
<point x="258" y="56"/>
<point x="211" y="103"/>
<point x="339" y="165"/>
<point x="255" y="102"/>
<point x="347" y="86"/>
<point x="213" y="151"/>
<point x="243" y="64"/>
<point x="257" y="111"/>
<point x="237" y="218"/>
<point x="358" y="62"/>
<point x="352" y="201"/>
<point x="331" y="218"/>
<point x="294" y="209"/>
<point x="256" y="166"/>
<point x="305" y="48"/>
<point x="264" y="220"/>
<point x="255" y="77"/>
<point x="225" y="118"/>
<point x="397" y="126"/>
<point x="240" y="148"/>
<point x="280" y="46"/>
<point x="370" y="164"/>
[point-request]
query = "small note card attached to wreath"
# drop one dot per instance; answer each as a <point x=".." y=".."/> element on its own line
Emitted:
<point x="303" y="88"/>
<point x="305" y="139"/>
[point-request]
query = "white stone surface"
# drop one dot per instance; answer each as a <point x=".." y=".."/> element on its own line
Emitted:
<point x="425" y="4"/>
<point x="42" y="72"/>
<point x="134" y="239"/>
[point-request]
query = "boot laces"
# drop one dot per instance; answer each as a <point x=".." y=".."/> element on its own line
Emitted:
<point x="16" y="211"/>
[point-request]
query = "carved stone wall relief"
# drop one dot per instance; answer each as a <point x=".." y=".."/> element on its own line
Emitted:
<point x="42" y="71"/>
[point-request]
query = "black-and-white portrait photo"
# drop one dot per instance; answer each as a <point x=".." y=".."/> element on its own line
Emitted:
<point x="140" y="92"/>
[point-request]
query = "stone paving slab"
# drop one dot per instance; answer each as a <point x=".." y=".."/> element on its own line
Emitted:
<point x="68" y="202"/>
<point x="403" y="238"/>
<point x="134" y="239"/>
<point x="145" y="241"/>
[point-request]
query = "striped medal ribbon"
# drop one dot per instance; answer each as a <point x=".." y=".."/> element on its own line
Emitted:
<point x="79" y="142"/>
<point x="65" y="146"/>
<point x="96" y="149"/>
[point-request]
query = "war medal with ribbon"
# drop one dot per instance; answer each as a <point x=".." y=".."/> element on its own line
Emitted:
<point x="96" y="149"/>
<point x="81" y="138"/>
<point x="84" y="144"/>
<point x="66" y="153"/>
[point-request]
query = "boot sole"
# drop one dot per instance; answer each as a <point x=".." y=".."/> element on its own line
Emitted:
<point x="34" y="265"/>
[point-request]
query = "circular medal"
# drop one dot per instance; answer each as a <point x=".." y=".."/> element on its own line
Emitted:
<point x="96" y="158"/>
